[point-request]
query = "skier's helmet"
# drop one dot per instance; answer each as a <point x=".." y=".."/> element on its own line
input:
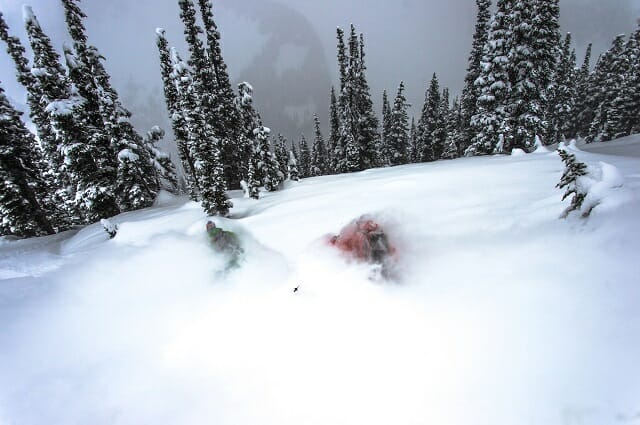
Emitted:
<point x="210" y="225"/>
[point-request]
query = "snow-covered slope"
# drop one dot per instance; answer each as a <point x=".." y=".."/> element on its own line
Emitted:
<point x="501" y="314"/>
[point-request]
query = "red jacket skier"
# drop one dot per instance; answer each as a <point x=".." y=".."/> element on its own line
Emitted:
<point x="364" y="240"/>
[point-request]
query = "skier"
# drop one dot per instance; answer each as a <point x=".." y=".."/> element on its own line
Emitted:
<point x="226" y="242"/>
<point x="364" y="240"/>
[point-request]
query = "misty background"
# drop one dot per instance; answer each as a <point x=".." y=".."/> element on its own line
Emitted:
<point x="286" y="48"/>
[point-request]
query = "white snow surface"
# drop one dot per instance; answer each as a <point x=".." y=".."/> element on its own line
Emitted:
<point x="502" y="313"/>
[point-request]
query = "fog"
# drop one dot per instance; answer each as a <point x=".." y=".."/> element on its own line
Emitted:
<point x="286" y="48"/>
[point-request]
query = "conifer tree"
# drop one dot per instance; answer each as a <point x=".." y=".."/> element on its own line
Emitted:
<point x="87" y="172"/>
<point x="282" y="155"/>
<point x="172" y="100"/>
<point x="532" y="59"/>
<point x="625" y="113"/>
<point x="368" y="138"/>
<point x="561" y="96"/>
<point x="225" y="113"/>
<point x="182" y="120"/>
<point x="386" y="125"/>
<point x="454" y="127"/>
<point x="108" y="119"/>
<point x="270" y="174"/>
<point x="581" y="119"/>
<point x="293" y="167"/>
<point x="335" y="151"/>
<point x="547" y="46"/>
<point x="428" y="122"/>
<point x="25" y="204"/>
<point x="39" y="117"/>
<point x="164" y="170"/>
<point x="439" y="133"/>
<point x="493" y="123"/>
<point x="606" y="83"/>
<point x="214" y="193"/>
<point x="471" y="91"/>
<point x="398" y="137"/>
<point x="413" y="134"/>
<point x="632" y="87"/>
<point x="318" y="151"/>
<point x="304" y="161"/>
<point x="574" y="169"/>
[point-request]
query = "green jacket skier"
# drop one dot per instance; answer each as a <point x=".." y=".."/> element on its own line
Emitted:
<point x="226" y="242"/>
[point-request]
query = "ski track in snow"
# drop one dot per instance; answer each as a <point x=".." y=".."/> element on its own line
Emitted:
<point x="501" y="313"/>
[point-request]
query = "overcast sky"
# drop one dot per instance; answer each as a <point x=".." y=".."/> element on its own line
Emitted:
<point x="286" y="48"/>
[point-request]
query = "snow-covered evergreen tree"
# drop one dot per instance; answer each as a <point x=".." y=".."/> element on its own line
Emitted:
<point x="413" y="134"/>
<point x="606" y="84"/>
<point x="225" y="113"/>
<point x="532" y="60"/>
<point x="367" y="121"/>
<point x="270" y="174"/>
<point x="282" y="154"/>
<point x="471" y="92"/>
<point x="182" y="120"/>
<point x="86" y="173"/>
<point x="214" y="187"/>
<point x="293" y="167"/>
<point x="39" y="117"/>
<point x="358" y="135"/>
<point x="398" y="136"/>
<point x="493" y="121"/>
<point x="135" y="184"/>
<point x="172" y="100"/>
<point x="440" y="130"/>
<point x="454" y="128"/>
<point x="385" y="150"/>
<point x="165" y="171"/>
<point x="25" y="203"/>
<point x="574" y="169"/>
<point x="625" y="108"/>
<point x="318" y="151"/>
<point x="304" y="161"/>
<point x="583" y="115"/>
<point x="631" y="90"/>
<point x="561" y="96"/>
<point x="335" y="151"/>
<point x="428" y="122"/>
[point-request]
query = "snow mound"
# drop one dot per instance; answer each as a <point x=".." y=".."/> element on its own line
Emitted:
<point x="518" y="152"/>
<point x="604" y="186"/>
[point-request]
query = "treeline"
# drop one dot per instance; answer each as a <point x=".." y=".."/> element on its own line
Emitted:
<point x="87" y="162"/>
<point x="522" y="88"/>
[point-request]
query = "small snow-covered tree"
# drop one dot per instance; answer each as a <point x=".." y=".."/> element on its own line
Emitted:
<point x="574" y="169"/>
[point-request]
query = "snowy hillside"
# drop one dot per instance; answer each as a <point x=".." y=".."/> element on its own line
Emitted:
<point x="502" y="313"/>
